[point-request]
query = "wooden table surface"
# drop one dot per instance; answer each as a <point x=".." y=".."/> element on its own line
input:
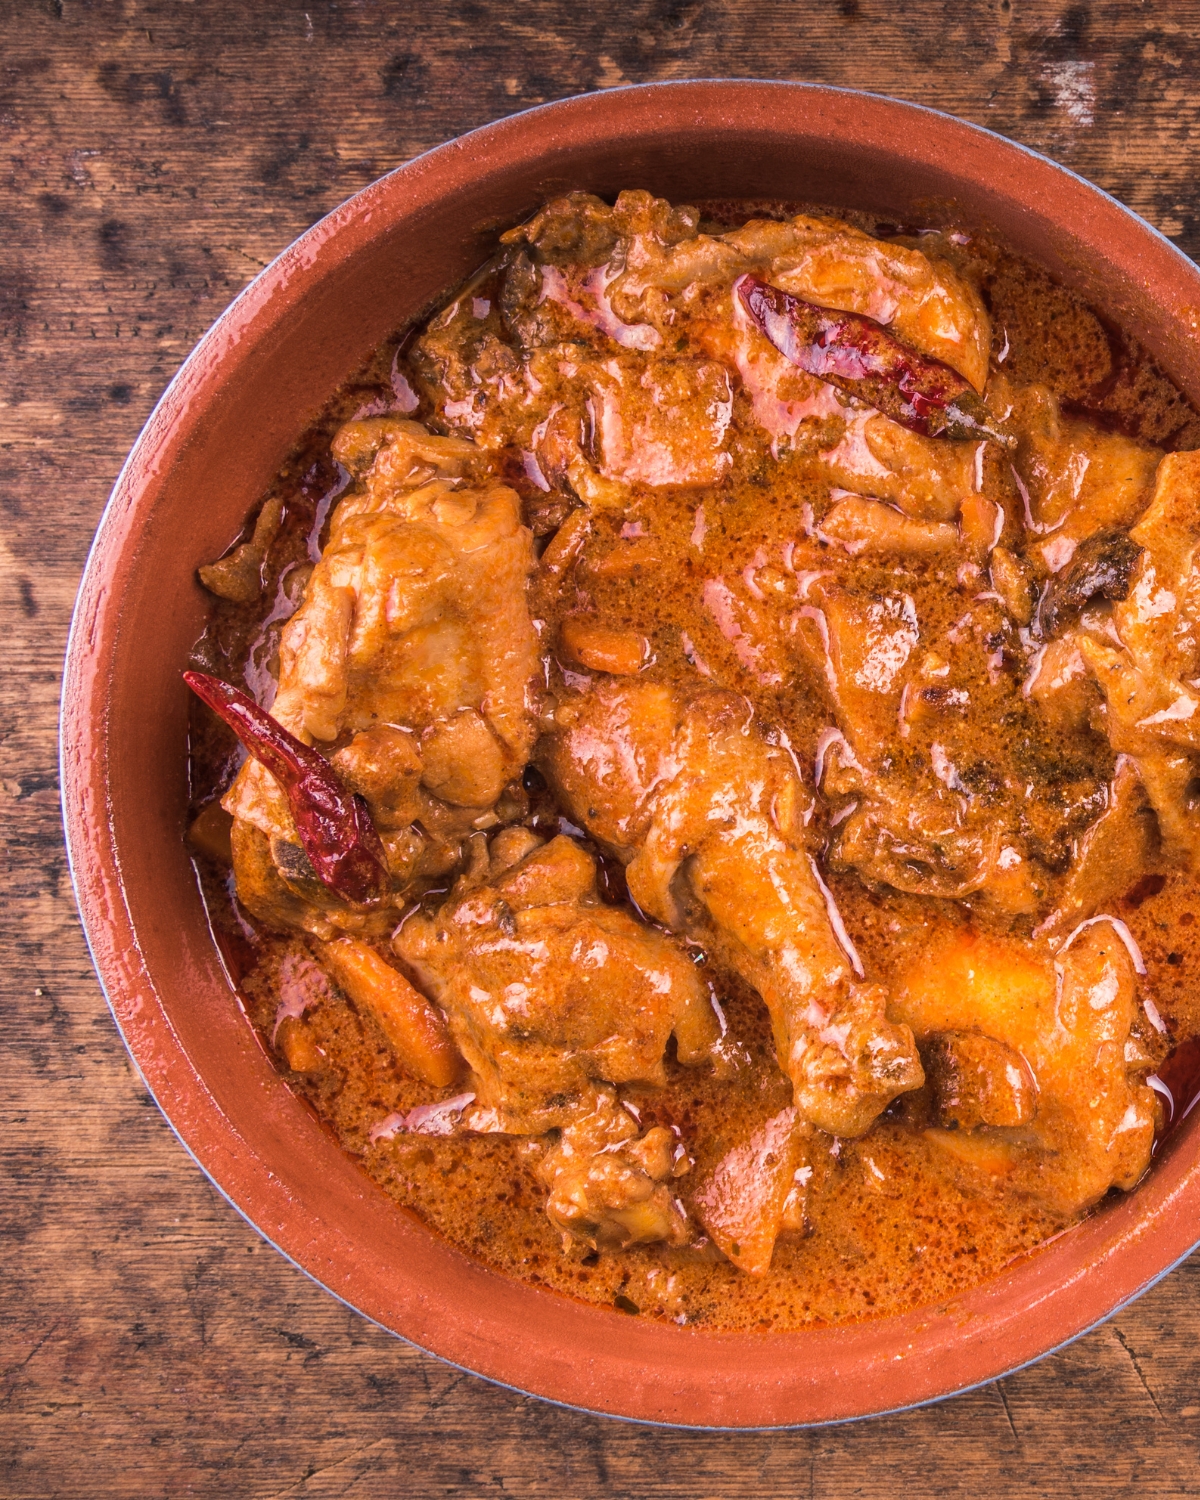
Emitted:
<point x="155" y="156"/>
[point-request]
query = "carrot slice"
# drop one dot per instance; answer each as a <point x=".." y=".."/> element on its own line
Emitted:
<point x="588" y="644"/>
<point x="417" y="1032"/>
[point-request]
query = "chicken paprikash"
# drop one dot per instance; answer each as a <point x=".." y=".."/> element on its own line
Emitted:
<point x="696" y="761"/>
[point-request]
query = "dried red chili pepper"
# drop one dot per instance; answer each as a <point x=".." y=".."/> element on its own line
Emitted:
<point x="333" y="824"/>
<point x="860" y="357"/>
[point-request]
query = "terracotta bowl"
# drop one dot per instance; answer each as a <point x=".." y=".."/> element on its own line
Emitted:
<point x="251" y="386"/>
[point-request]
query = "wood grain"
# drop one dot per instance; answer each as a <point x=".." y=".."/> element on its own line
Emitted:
<point x="154" y="157"/>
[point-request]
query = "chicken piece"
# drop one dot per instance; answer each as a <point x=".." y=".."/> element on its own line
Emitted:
<point x="551" y="996"/>
<point x="582" y="230"/>
<point x="441" y="624"/>
<point x="662" y="421"/>
<point x="544" y="322"/>
<point x="464" y="762"/>
<point x="709" y="819"/>
<point x="828" y="263"/>
<point x="928" y="479"/>
<point x="608" y="1186"/>
<point x="591" y="296"/>
<point x="1068" y="1021"/>
<point x="922" y="300"/>
<point x="1110" y="856"/>
<point x="549" y="993"/>
<point x="1150" y="679"/>
<point x="466" y="366"/>
<point x="976" y="1080"/>
<point x="239" y="576"/>
<point x="913" y="824"/>
<point x="278" y="887"/>
<point x="870" y="526"/>
<point x="608" y="753"/>
<point x="1158" y="623"/>
<point x="414" y="642"/>
<point x="918" y="802"/>
<point x="936" y="841"/>
<point x="383" y="765"/>
<point x="1172" y="782"/>
<point x="756" y="1186"/>
<point x="1137" y="726"/>
<point x="793" y="408"/>
<point x="1077" y="479"/>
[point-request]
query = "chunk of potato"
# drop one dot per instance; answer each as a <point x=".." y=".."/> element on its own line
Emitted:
<point x="1067" y="1018"/>
<point x="752" y="1192"/>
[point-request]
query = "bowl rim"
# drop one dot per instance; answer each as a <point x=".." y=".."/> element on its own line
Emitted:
<point x="1128" y="1258"/>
